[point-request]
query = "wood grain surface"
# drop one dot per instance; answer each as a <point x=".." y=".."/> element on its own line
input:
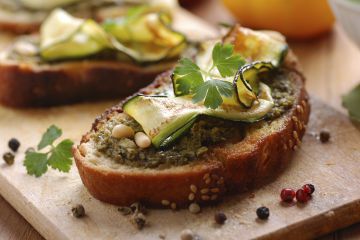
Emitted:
<point x="330" y="64"/>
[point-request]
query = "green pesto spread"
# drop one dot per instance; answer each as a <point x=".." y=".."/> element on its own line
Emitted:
<point x="206" y="132"/>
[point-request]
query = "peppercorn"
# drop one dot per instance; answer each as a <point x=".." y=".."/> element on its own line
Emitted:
<point x="139" y="220"/>
<point x="324" y="136"/>
<point x="14" y="144"/>
<point x="302" y="196"/>
<point x="78" y="211"/>
<point x="308" y="188"/>
<point x="9" y="158"/>
<point x="220" y="218"/>
<point x="287" y="195"/>
<point x="263" y="213"/>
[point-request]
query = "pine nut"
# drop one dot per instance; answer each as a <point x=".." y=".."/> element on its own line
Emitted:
<point x="142" y="140"/>
<point x="122" y="131"/>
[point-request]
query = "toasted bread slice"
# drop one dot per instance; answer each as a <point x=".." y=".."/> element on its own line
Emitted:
<point x="231" y="167"/>
<point x="32" y="84"/>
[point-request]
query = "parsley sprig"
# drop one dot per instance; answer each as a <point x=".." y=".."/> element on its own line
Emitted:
<point x="205" y="85"/>
<point x="57" y="157"/>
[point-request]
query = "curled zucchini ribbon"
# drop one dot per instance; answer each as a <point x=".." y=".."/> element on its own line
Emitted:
<point x="143" y="34"/>
<point x="247" y="81"/>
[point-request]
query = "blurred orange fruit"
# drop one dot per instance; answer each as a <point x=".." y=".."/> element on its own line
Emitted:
<point x="298" y="19"/>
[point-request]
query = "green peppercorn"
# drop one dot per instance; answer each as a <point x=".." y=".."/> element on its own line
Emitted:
<point x="9" y="158"/>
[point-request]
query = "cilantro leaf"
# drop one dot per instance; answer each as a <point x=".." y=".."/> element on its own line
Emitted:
<point x="351" y="102"/>
<point x="36" y="163"/>
<point x="187" y="76"/>
<point x="212" y="91"/>
<point x="51" y="134"/>
<point x="60" y="157"/>
<point x="225" y="61"/>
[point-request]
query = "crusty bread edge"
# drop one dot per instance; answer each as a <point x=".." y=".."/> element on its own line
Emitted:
<point x="31" y="85"/>
<point x="235" y="172"/>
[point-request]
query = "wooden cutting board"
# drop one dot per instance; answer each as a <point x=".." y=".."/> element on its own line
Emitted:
<point x="334" y="168"/>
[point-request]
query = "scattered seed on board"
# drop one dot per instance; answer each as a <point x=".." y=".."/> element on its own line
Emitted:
<point x="9" y="158"/>
<point x="324" y="136"/>
<point x="220" y="218"/>
<point x="78" y="211"/>
<point x="194" y="208"/>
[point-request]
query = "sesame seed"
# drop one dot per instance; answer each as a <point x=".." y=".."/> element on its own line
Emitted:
<point x="204" y="190"/>
<point x="206" y="176"/>
<point x="191" y="196"/>
<point x="193" y="188"/>
<point x="173" y="206"/>
<point x="215" y="190"/>
<point x="165" y="202"/>
<point x="194" y="208"/>
<point x="205" y="197"/>
<point x="214" y="197"/>
<point x="295" y="134"/>
<point x="208" y="181"/>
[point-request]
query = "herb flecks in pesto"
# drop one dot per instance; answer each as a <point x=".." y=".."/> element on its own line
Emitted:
<point x="192" y="146"/>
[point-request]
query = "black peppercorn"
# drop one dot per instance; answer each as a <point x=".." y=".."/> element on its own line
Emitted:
<point x="263" y="213"/>
<point x="14" y="144"/>
<point x="324" y="136"/>
<point x="220" y="218"/>
<point x="78" y="211"/>
<point x="9" y="158"/>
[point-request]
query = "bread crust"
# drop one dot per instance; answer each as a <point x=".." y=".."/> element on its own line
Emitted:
<point x="266" y="149"/>
<point x="25" y="84"/>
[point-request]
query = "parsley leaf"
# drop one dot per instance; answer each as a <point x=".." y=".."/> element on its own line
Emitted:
<point x="351" y="102"/>
<point x="189" y="79"/>
<point x="58" y="157"/>
<point x="225" y="61"/>
<point x="187" y="76"/>
<point x="36" y="163"/>
<point x="51" y="134"/>
<point x="212" y="91"/>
